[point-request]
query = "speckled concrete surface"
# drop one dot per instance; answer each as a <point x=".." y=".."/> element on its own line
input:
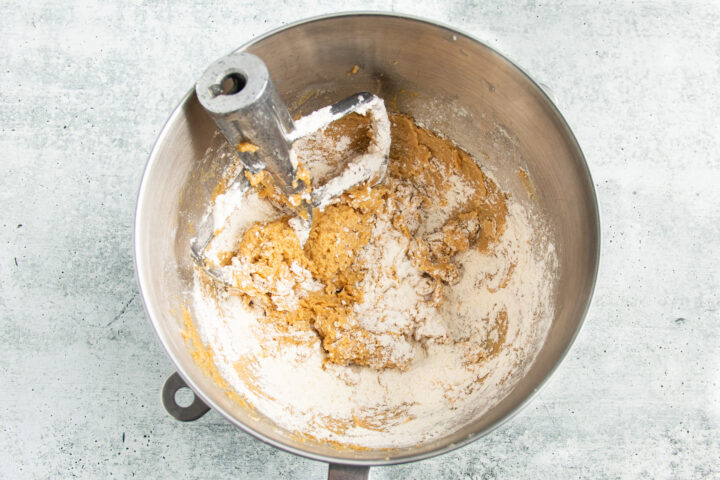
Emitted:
<point x="86" y="87"/>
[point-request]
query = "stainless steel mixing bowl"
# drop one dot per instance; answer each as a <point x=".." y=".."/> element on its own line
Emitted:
<point x="449" y="82"/>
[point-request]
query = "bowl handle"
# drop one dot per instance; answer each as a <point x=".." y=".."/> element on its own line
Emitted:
<point x="185" y="414"/>
<point x="347" y="472"/>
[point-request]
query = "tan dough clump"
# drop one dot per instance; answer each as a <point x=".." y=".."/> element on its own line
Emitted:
<point x="317" y="287"/>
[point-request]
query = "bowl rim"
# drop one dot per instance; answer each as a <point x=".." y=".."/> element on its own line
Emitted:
<point x="140" y="270"/>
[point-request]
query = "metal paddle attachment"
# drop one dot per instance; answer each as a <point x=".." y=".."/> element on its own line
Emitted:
<point x="240" y="96"/>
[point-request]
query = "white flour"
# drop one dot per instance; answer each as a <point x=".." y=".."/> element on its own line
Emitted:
<point x="438" y="214"/>
<point x="300" y="393"/>
<point x="454" y="371"/>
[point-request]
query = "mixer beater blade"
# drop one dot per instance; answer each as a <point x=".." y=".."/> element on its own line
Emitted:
<point x="239" y="94"/>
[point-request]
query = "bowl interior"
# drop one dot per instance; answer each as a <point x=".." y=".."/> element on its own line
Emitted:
<point x="448" y="82"/>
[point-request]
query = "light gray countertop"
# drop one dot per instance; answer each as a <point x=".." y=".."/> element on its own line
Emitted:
<point x="84" y="90"/>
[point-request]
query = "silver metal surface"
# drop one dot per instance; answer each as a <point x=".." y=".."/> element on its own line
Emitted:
<point x="348" y="472"/>
<point x="240" y="96"/>
<point x="448" y="81"/>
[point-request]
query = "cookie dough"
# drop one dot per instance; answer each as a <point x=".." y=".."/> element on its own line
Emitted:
<point x="419" y="203"/>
